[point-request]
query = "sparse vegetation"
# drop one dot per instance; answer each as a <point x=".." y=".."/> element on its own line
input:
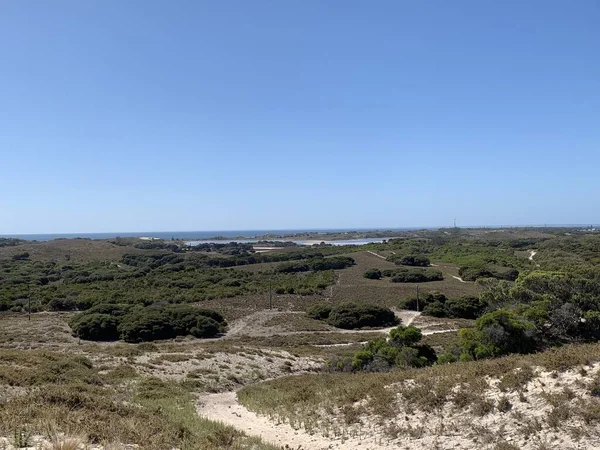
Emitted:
<point x="391" y="389"/>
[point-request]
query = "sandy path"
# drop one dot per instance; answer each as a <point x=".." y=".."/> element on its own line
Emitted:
<point x="224" y="407"/>
<point x="376" y="254"/>
<point x="459" y="279"/>
<point x="532" y="253"/>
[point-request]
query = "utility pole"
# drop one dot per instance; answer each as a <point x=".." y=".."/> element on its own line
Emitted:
<point x="29" y="307"/>
<point x="270" y="295"/>
<point x="417" y="297"/>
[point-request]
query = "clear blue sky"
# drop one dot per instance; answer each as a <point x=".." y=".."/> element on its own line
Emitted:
<point x="196" y="115"/>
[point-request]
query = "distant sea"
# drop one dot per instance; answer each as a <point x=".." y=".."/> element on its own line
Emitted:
<point x="193" y="235"/>
<point x="246" y="234"/>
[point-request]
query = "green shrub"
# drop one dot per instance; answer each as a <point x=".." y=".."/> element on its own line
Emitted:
<point x="153" y="323"/>
<point x="292" y="267"/>
<point x="498" y="333"/>
<point x="110" y="322"/>
<point x="473" y="273"/>
<point x="435" y="309"/>
<point x="467" y="307"/>
<point x="95" y="327"/>
<point x="362" y="359"/>
<point x="412" y="302"/>
<point x="334" y="263"/>
<point x="319" y="312"/>
<point x="437" y="305"/>
<point x="316" y="264"/>
<point x="401" y="349"/>
<point x="413" y="260"/>
<point x="416" y="275"/>
<point x="373" y="274"/>
<point x="61" y="304"/>
<point x="112" y="309"/>
<point x="351" y="316"/>
<point x="401" y="336"/>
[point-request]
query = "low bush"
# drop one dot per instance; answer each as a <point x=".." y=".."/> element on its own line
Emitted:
<point x="333" y="263"/>
<point x="466" y="307"/>
<point x="416" y="275"/>
<point x="316" y="264"/>
<point x="292" y="267"/>
<point x="418" y="260"/>
<point x="435" y="309"/>
<point x="473" y="273"/>
<point x="419" y="304"/>
<point x="401" y="349"/>
<point x="319" y="312"/>
<point x="498" y="333"/>
<point x="108" y="322"/>
<point x="151" y="324"/>
<point x="96" y="327"/>
<point x="62" y="304"/>
<point x="373" y="274"/>
<point x="350" y="316"/>
<point x="438" y="305"/>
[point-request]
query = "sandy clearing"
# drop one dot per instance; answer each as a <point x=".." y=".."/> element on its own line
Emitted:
<point x="224" y="407"/>
<point x="348" y="344"/>
<point x="462" y="428"/>
<point x="254" y="325"/>
<point x="532" y="253"/>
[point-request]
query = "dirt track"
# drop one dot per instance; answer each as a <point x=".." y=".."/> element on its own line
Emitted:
<point x="224" y="407"/>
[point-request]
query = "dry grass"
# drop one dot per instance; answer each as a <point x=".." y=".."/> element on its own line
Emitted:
<point x="55" y="390"/>
<point x="65" y="395"/>
<point x="465" y="394"/>
<point x="44" y="330"/>
<point x="351" y="286"/>
<point x="71" y="250"/>
<point x="295" y="322"/>
<point x="354" y="287"/>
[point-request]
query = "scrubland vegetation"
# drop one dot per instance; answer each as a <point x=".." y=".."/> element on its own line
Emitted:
<point x="350" y="315"/>
<point x="502" y="329"/>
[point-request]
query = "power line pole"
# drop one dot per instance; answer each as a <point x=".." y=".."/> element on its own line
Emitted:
<point x="417" y="297"/>
<point x="270" y="295"/>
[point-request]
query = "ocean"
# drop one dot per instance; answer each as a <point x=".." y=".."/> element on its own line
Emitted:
<point x="192" y="235"/>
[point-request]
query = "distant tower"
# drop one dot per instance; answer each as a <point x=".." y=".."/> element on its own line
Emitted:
<point x="455" y="222"/>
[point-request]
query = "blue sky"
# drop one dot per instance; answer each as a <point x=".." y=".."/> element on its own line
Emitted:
<point x="192" y="115"/>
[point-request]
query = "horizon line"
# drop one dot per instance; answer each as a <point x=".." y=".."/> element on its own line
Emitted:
<point x="315" y="229"/>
